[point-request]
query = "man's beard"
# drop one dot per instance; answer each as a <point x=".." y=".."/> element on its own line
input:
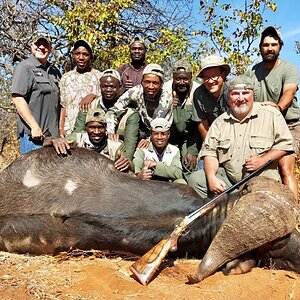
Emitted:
<point x="271" y="57"/>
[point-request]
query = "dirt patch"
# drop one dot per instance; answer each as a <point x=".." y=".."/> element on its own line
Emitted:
<point x="44" y="277"/>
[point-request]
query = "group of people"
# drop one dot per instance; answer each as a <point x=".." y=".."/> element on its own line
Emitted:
<point x="208" y="132"/>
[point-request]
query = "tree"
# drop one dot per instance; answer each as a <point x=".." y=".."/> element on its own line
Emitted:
<point x="231" y="28"/>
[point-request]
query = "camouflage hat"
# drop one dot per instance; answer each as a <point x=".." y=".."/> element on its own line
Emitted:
<point x="183" y="65"/>
<point x="154" y="69"/>
<point x="137" y="40"/>
<point x="241" y="82"/>
<point x="160" y="124"/>
<point x="41" y="36"/>
<point x="213" y="61"/>
<point x="111" y="73"/>
<point x="273" y="32"/>
<point x="95" y="115"/>
<point x="83" y="43"/>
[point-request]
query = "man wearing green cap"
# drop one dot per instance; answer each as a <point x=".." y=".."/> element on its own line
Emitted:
<point x="241" y="140"/>
<point x="93" y="138"/>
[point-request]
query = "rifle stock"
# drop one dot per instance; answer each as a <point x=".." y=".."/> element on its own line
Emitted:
<point x="145" y="267"/>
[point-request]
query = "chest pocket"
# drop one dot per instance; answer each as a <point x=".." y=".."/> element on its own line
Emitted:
<point x="224" y="151"/>
<point x="260" y="144"/>
<point x="43" y="84"/>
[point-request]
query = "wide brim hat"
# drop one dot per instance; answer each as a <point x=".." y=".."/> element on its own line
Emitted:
<point x="213" y="61"/>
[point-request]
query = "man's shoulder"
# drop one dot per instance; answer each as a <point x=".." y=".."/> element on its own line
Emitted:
<point x="123" y="67"/>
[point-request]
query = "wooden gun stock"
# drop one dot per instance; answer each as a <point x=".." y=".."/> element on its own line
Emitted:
<point x="145" y="267"/>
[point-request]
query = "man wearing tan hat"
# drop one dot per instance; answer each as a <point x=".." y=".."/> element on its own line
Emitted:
<point x="93" y="138"/>
<point x="276" y="83"/>
<point x="149" y="99"/>
<point x="241" y="140"/>
<point x="78" y="87"/>
<point x="132" y="73"/>
<point x="35" y="94"/>
<point x="160" y="160"/>
<point x="211" y="98"/>
<point x="128" y="126"/>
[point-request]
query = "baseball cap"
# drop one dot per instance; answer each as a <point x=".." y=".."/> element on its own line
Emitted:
<point x="111" y="73"/>
<point x="138" y="40"/>
<point x="83" y="43"/>
<point x="41" y="36"/>
<point x="271" y="31"/>
<point x="154" y="69"/>
<point x="182" y="64"/>
<point x="160" y="124"/>
<point x="95" y="115"/>
<point x="241" y="82"/>
<point x="213" y="61"/>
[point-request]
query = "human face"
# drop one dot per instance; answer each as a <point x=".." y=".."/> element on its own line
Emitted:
<point x="96" y="131"/>
<point x="152" y="85"/>
<point x="41" y="50"/>
<point x="241" y="102"/>
<point x="270" y="49"/>
<point x="137" y="52"/>
<point x="213" y="80"/>
<point x="160" y="139"/>
<point x="182" y="81"/>
<point x="110" y="88"/>
<point x="83" y="59"/>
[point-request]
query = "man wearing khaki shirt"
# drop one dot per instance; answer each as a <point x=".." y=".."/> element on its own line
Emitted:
<point x="241" y="140"/>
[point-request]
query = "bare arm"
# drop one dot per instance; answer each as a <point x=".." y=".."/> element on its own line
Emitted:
<point x="24" y="111"/>
<point x="62" y="119"/>
<point x="203" y="128"/>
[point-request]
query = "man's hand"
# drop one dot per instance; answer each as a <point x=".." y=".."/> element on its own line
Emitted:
<point x="143" y="144"/>
<point x="176" y="101"/>
<point x="147" y="172"/>
<point x="85" y="102"/>
<point x="128" y="83"/>
<point x="122" y="163"/>
<point x="113" y="136"/>
<point x="253" y="163"/>
<point x="61" y="145"/>
<point x="190" y="161"/>
<point x="216" y="185"/>
<point x="37" y="133"/>
<point x="61" y="132"/>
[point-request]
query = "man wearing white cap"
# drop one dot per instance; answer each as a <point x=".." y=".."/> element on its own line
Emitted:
<point x="150" y="100"/>
<point x="240" y="141"/>
<point x="276" y="83"/>
<point x="35" y="94"/>
<point x="127" y="131"/>
<point x="160" y="160"/>
<point x="78" y="87"/>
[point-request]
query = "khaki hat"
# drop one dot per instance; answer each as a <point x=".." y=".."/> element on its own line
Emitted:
<point x="154" y="69"/>
<point x="160" y="124"/>
<point x="111" y="73"/>
<point x="137" y="40"/>
<point x="182" y="64"/>
<point x="273" y="32"/>
<point x="83" y="43"/>
<point x="95" y="115"/>
<point x="241" y="82"/>
<point x="213" y="61"/>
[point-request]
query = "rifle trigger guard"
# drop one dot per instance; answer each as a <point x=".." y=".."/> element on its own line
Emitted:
<point x="186" y="231"/>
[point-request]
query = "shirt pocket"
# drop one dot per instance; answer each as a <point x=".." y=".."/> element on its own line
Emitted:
<point x="224" y="151"/>
<point x="260" y="144"/>
<point x="43" y="85"/>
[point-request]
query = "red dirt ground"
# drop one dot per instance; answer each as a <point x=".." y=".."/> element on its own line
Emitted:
<point x="25" y="277"/>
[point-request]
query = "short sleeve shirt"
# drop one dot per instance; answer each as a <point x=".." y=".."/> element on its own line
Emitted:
<point x="38" y="85"/>
<point x="232" y="141"/>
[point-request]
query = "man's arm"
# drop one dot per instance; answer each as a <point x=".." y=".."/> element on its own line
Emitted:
<point x="203" y="129"/>
<point x="80" y="122"/>
<point x="288" y="94"/>
<point x="25" y="113"/>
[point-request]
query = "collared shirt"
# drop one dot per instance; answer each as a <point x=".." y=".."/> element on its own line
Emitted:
<point x="128" y="72"/>
<point x="168" y="167"/>
<point x="38" y="85"/>
<point x="268" y="85"/>
<point x="73" y="87"/>
<point x="135" y="97"/>
<point x="232" y="141"/>
<point x="206" y="106"/>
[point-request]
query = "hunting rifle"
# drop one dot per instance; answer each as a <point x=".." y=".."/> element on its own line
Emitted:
<point x="145" y="267"/>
